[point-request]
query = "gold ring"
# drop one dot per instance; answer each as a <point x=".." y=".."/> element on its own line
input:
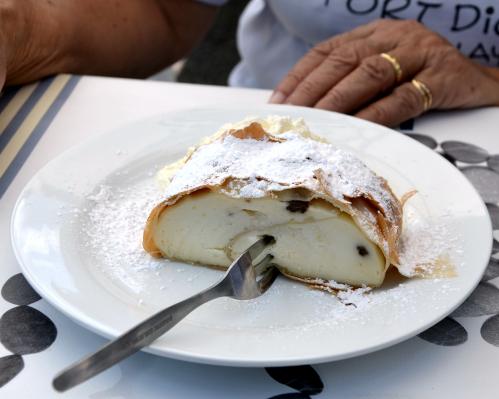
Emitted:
<point x="425" y="92"/>
<point x="395" y="64"/>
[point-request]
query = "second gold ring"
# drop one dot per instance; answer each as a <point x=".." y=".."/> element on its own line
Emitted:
<point x="395" y="64"/>
<point x="425" y="93"/>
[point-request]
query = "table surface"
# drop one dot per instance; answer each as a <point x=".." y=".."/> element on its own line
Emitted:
<point x="456" y="359"/>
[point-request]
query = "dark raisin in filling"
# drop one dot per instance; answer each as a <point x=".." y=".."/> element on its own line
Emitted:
<point x="362" y="250"/>
<point x="297" y="206"/>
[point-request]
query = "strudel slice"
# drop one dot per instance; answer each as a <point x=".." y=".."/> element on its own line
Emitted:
<point x="331" y="216"/>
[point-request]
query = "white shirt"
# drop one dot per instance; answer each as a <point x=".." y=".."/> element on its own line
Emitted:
<point x="274" y="34"/>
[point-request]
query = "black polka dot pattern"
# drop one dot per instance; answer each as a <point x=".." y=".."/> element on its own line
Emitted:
<point x="484" y="176"/>
<point x="464" y="152"/>
<point x="483" y="301"/>
<point x="25" y="330"/>
<point x="493" y="162"/>
<point x="10" y="366"/>
<point x="485" y="180"/>
<point x="17" y="291"/>
<point x="492" y="270"/>
<point x="304" y="379"/>
<point x="448" y="332"/>
<point x="494" y="215"/>
<point x="490" y="330"/>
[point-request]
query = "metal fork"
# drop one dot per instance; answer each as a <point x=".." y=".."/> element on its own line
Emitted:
<point x="243" y="280"/>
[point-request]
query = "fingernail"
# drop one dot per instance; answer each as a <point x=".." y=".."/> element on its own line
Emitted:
<point x="277" y="98"/>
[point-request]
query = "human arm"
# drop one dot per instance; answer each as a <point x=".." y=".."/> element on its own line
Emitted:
<point x="132" y="38"/>
<point x="347" y="74"/>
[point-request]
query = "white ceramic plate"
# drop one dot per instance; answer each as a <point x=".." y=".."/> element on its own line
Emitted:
<point x="76" y="231"/>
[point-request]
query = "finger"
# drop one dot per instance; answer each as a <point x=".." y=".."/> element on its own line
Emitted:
<point x="306" y="65"/>
<point x="332" y="70"/>
<point x="314" y="58"/>
<point x="374" y="76"/>
<point x="404" y="103"/>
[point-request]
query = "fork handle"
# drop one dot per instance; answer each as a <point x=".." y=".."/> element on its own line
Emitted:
<point x="136" y="338"/>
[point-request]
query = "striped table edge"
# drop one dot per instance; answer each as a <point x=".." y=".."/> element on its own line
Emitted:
<point x="25" y="114"/>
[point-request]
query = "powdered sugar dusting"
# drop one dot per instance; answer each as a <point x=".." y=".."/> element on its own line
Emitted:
<point x="425" y="248"/>
<point x="114" y="216"/>
<point x="354" y="297"/>
<point x="113" y="228"/>
<point x="112" y="225"/>
<point x="257" y="167"/>
<point x="112" y="231"/>
<point x="345" y="293"/>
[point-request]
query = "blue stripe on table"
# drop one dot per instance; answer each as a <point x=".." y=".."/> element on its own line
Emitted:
<point x="21" y="115"/>
<point x="38" y="131"/>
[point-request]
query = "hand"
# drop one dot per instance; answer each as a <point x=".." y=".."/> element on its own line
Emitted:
<point x="347" y="74"/>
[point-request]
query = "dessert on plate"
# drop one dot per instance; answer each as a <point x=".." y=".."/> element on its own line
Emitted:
<point x="331" y="216"/>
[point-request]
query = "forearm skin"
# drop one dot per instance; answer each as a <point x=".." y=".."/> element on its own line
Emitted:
<point x="132" y="38"/>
